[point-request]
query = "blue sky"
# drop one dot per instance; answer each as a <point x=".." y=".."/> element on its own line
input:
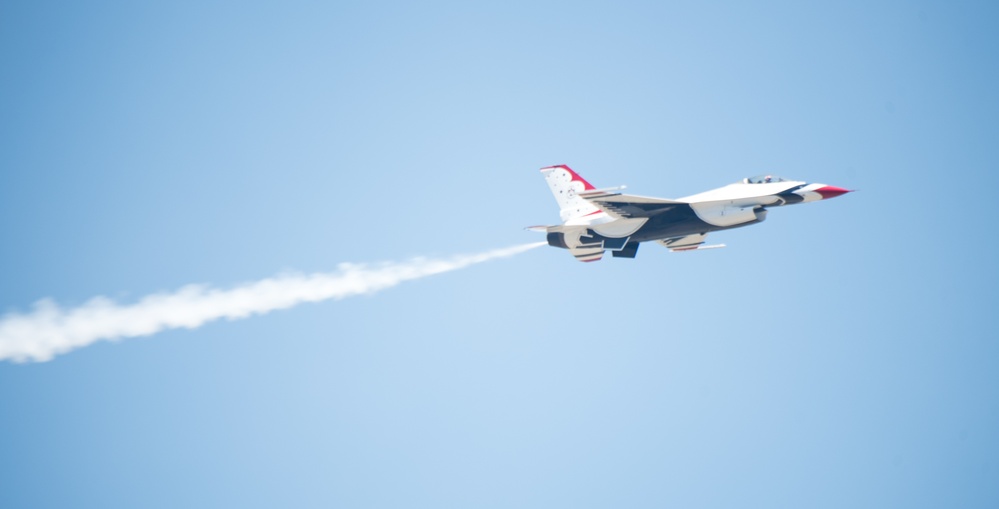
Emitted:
<point x="841" y="354"/>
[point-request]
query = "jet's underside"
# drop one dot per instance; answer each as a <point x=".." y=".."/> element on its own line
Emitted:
<point x="673" y="222"/>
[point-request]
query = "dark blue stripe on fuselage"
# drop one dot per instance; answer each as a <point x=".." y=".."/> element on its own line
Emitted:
<point x="676" y="220"/>
<point x="789" y="197"/>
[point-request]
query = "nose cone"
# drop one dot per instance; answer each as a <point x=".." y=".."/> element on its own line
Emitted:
<point x="831" y="191"/>
<point x="816" y="192"/>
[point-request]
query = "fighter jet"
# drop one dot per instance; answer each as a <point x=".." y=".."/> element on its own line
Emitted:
<point x="598" y="220"/>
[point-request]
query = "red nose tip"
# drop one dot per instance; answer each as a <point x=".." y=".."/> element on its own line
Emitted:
<point x="831" y="191"/>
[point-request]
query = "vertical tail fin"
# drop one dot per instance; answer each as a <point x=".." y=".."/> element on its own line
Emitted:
<point x="565" y="185"/>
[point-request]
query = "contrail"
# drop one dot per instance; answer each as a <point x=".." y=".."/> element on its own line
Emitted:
<point x="50" y="330"/>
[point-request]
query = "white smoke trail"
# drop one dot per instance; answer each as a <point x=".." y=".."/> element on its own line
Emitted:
<point x="50" y="330"/>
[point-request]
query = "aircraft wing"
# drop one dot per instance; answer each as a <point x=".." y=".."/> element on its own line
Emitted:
<point x="688" y="243"/>
<point x="621" y="206"/>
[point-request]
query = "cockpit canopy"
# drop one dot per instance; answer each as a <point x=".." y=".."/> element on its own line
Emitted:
<point x="763" y="179"/>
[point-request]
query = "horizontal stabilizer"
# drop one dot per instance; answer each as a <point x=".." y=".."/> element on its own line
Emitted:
<point x="541" y="229"/>
<point x="587" y="254"/>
